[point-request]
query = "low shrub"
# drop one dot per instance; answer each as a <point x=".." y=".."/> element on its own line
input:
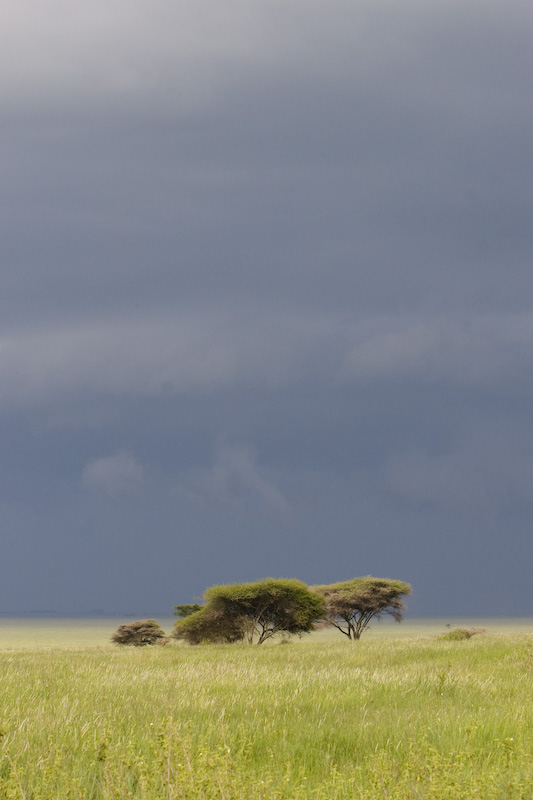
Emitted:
<point x="459" y="634"/>
<point x="140" y="633"/>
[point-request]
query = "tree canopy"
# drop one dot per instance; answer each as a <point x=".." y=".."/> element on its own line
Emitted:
<point x="350" y="605"/>
<point x="186" y="610"/>
<point x="208" y="626"/>
<point x="253" y="612"/>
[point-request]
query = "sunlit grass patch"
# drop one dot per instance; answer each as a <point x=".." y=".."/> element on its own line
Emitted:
<point x="386" y="717"/>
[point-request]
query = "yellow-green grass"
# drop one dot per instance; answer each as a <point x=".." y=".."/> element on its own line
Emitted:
<point x="388" y="717"/>
<point x="35" y="633"/>
<point x="31" y="633"/>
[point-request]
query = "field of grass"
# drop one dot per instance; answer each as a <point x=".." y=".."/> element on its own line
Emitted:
<point x="410" y="716"/>
<point x="35" y="633"/>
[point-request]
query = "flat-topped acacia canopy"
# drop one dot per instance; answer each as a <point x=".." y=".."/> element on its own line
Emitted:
<point x="350" y="605"/>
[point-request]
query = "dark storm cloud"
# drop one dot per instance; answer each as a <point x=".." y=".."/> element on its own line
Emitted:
<point x="399" y="146"/>
<point x="265" y="276"/>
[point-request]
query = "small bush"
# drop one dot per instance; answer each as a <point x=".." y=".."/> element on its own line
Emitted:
<point x="140" y="633"/>
<point x="459" y="634"/>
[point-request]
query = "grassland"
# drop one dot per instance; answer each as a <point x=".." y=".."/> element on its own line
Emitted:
<point x="408" y="716"/>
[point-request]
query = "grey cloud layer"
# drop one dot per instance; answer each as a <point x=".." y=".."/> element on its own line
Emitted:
<point x="203" y="353"/>
<point x="266" y="271"/>
<point x="413" y="177"/>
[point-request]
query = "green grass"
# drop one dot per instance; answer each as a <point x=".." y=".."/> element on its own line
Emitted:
<point x="388" y="717"/>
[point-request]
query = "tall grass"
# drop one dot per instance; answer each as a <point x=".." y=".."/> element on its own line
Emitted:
<point x="394" y="718"/>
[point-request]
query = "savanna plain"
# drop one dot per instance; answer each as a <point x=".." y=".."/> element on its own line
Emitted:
<point x="403" y="713"/>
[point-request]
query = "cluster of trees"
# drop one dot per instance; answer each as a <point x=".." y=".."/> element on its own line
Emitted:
<point x="255" y="612"/>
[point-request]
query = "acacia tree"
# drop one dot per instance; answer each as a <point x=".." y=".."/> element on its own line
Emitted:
<point x="253" y="612"/>
<point x="350" y="605"/>
<point x="208" y="625"/>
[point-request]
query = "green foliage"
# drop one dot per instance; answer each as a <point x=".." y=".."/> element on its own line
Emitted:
<point x="253" y="612"/>
<point x="267" y="607"/>
<point x="459" y="634"/>
<point x="186" y="610"/>
<point x="351" y="605"/>
<point x="139" y="633"/>
<point x="208" y="626"/>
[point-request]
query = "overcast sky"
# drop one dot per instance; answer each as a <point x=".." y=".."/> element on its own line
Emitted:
<point x="266" y="300"/>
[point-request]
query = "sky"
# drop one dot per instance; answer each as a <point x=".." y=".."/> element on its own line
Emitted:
<point x="266" y="300"/>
